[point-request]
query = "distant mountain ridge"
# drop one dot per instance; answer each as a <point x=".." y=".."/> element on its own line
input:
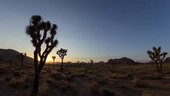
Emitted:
<point x="123" y="60"/>
<point x="167" y="60"/>
<point x="10" y="55"/>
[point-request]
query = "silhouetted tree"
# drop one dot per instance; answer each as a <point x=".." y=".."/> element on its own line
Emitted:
<point x="22" y="57"/>
<point x="41" y="33"/>
<point x="53" y="57"/>
<point x="91" y="62"/>
<point x="62" y="52"/>
<point x="157" y="57"/>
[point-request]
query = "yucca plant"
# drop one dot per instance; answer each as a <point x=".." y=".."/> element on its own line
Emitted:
<point x="62" y="52"/>
<point x="41" y="33"/>
<point x="157" y="57"/>
<point x="53" y="57"/>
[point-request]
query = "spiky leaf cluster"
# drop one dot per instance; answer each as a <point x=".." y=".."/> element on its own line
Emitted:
<point x="62" y="52"/>
<point x="38" y="31"/>
<point x="156" y="54"/>
<point x="53" y="57"/>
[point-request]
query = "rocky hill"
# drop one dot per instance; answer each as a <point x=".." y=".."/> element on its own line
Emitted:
<point x="123" y="60"/>
<point x="167" y="60"/>
<point x="11" y="56"/>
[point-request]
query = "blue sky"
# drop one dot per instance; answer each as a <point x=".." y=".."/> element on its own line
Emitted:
<point x="91" y="29"/>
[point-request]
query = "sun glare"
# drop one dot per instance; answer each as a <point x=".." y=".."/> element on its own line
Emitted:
<point x="49" y="59"/>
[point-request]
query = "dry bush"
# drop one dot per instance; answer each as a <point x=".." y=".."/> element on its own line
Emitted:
<point x="16" y="74"/>
<point x="119" y="76"/>
<point x="137" y="82"/>
<point x="57" y="76"/>
<point x="97" y="90"/>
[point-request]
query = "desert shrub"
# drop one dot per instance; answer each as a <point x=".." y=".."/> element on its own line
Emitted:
<point x="95" y="89"/>
<point x="130" y="75"/>
<point x="101" y="81"/>
<point x="67" y="73"/>
<point x="14" y="82"/>
<point x="16" y="74"/>
<point x="52" y="84"/>
<point x="107" y="92"/>
<point x="64" y="86"/>
<point x="49" y="81"/>
<point x="68" y="79"/>
<point x="57" y="76"/>
<point x="137" y="82"/>
<point x="119" y="76"/>
<point x="113" y="70"/>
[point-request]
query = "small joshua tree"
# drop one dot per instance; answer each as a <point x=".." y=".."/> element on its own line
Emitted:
<point x="91" y="62"/>
<point x="41" y="32"/>
<point x="157" y="57"/>
<point x="22" y="57"/>
<point x="62" y="52"/>
<point x="53" y="57"/>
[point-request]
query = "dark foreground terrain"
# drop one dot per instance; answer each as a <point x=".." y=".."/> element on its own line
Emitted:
<point x="83" y="80"/>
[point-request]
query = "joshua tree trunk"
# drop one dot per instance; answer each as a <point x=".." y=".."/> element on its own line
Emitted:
<point x="53" y="64"/>
<point x="161" y="67"/>
<point x="61" y="65"/>
<point x="36" y="76"/>
<point x="157" y="66"/>
<point x="36" y="84"/>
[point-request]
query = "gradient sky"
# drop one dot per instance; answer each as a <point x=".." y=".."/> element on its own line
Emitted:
<point x="90" y="29"/>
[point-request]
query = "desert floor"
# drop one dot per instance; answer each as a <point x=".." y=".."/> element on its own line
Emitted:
<point x="83" y="80"/>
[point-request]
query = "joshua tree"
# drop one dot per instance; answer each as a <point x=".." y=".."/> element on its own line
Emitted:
<point x="41" y="32"/>
<point x="53" y="57"/>
<point x="62" y="52"/>
<point x="22" y="57"/>
<point x="157" y="57"/>
<point x="91" y="62"/>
